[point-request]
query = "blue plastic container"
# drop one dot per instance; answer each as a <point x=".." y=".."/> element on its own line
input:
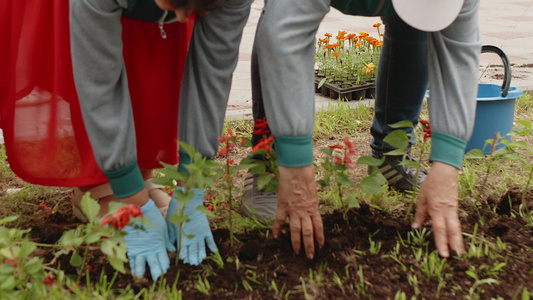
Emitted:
<point x="494" y="113"/>
<point x="495" y="107"/>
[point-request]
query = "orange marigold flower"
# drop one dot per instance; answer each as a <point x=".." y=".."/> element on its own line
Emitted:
<point x="377" y="25"/>
<point x="363" y="33"/>
<point x="379" y="44"/>
<point x="359" y="44"/>
<point x="328" y="34"/>
<point x="350" y="36"/>
<point x="369" y="68"/>
<point x="335" y="54"/>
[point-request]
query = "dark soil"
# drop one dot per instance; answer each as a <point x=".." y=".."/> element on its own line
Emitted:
<point x="257" y="260"/>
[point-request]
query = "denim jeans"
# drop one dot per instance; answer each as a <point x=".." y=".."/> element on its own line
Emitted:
<point x="402" y="80"/>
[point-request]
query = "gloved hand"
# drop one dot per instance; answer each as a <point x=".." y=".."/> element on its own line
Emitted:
<point x="196" y="231"/>
<point x="149" y="246"/>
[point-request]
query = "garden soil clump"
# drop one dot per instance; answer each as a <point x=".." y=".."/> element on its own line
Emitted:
<point x="369" y="253"/>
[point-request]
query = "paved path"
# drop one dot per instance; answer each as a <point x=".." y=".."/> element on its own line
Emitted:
<point x="507" y="24"/>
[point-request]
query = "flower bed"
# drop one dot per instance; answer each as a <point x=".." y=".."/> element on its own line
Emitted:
<point x="347" y="68"/>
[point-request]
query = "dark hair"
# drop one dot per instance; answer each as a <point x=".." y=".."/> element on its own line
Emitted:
<point x="199" y="7"/>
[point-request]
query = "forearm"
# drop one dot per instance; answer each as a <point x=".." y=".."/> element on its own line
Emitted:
<point x="453" y="70"/>
<point x="285" y="44"/>
<point x="102" y="86"/>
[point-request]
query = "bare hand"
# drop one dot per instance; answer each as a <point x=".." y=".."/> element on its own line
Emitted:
<point x="438" y="200"/>
<point x="297" y="199"/>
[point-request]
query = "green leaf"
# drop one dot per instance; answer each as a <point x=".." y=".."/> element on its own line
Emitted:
<point x="352" y="201"/>
<point x="90" y="207"/>
<point x="321" y="83"/>
<point x="206" y="211"/>
<point x="327" y="150"/>
<point x="187" y="148"/>
<point x="474" y="154"/>
<point x="34" y="266"/>
<point x="8" y="284"/>
<point x="401" y="124"/>
<point x="370" y="161"/>
<point x="114" y="206"/>
<point x="166" y="181"/>
<point x="70" y="238"/>
<point x="398" y="139"/>
<point x="178" y="220"/>
<point x="343" y="179"/>
<point x="263" y="180"/>
<point x="374" y="183"/>
<point x="76" y="260"/>
<point x="396" y="152"/>
<point x="26" y="248"/>
<point x="8" y="219"/>
<point x="117" y="264"/>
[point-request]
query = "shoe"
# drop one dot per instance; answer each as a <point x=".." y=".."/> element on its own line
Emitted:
<point x="401" y="177"/>
<point x="256" y="203"/>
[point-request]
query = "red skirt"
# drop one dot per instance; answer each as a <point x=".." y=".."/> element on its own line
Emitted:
<point x="40" y="116"/>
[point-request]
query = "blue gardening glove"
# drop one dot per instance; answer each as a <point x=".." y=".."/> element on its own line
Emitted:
<point x="196" y="231"/>
<point x="149" y="246"/>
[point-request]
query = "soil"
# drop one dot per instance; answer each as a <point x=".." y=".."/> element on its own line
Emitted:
<point x="259" y="259"/>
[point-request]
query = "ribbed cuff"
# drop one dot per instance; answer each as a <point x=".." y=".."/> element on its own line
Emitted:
<point x="447" y="149"/>
<point x="294" y="151"/>
<point x="185" y="159"/>
<point x="126" y="181"/>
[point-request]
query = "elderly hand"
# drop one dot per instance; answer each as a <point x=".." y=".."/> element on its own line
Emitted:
<point x="438" y="200"/>
<point x="297" y="199"/>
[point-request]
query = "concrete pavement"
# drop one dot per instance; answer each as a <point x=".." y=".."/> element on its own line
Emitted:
<point x="506" y="24"/>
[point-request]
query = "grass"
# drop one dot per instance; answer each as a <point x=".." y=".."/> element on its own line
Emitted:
<point x="332" y="125"/>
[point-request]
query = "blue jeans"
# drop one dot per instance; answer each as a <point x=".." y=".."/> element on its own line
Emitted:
<point x="401" y="81"/>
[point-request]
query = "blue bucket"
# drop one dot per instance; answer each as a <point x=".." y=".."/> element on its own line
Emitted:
<point x="495" y="108"/>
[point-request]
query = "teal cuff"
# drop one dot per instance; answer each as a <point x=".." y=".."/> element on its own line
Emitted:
<point x="447" y="149"/>
<point x="126" y="181"/>
<point x="294" y="151"/>
<point x="185" y="159"/>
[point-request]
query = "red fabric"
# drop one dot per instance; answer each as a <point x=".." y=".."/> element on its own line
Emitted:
<point x="45" y="138"/>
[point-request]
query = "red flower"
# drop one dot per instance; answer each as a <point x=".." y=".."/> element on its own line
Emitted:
<point x="264" y="143"/>
<point x="49" y="278"/>
<point x="338" y="146"/>
<point x="338" y="160"/>
<point x="122" y="216"/>
<point x="243" y="141"/>
<point x="210" y="207"/>
<point x="427" y="129"/>
<point x="42" y="206"/>
<point x="261" y="127"/>
<point x="10" y="261"/>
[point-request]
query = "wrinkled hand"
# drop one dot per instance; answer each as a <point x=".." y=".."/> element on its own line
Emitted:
<point x="438" y="200"/>
<point x="149" y="246"/>
<point x="196" y="231"/>
<point x="297" y="199"/>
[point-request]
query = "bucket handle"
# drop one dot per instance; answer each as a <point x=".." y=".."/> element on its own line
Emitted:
<point x="506" y="66"/>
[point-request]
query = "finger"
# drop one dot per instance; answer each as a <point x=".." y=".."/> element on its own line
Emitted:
<point x="318" y="228"/>
<point x="170" y="246"/>
<point x="211" y="243"/>
<point x="164" y="261"/>
<point x="184" y="255"/>
<point x="201" y="251"/>
<point x="132" y="264"/>
<point x="296" y="234"/>
<point x="455" y="236"/>
<point x="308" y="237"/>
<point x="279" y="221"/>
<point x="140" y="266"/>
<point x="441" y="237"/>
<point x="155" y="267"/>
<point x="193" y="254"/>
<point x="421" y="214"/>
